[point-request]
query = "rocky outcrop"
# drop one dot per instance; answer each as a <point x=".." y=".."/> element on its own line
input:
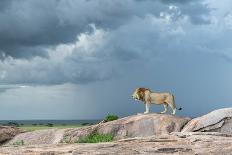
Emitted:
<point x="216" y="121"/>
<point x="133" y="126"/>
<point x="197" y="143"/>
<point x="141" y="125"/>
<point x="7" y="133"/>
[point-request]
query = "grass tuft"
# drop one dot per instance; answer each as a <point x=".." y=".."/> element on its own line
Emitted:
<point x="96" y="138"/>
<point x="111" y="118"/>
<point x="30" y="127"/>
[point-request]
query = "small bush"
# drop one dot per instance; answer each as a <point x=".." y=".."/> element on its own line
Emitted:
<point x="66" y="138"/>
<point x="111" y="118"/>
<point x="49" y="125"/>
<point x="96" y="138"/>
<point x="13" y="124"/>
<point x="19" y="143"/>
<point x="84" y="124"/>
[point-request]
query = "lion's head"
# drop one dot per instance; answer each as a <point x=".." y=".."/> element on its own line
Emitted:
<point x="139" y="93"/>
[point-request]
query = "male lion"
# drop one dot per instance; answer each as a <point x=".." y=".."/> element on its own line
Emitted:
<point x="148" y="97"/>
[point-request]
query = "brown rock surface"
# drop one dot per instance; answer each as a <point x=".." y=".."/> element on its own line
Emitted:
<point x="133" y="126"/>
<point x="7" y="133"/>
<point x="141" y="125"/>
<point x="216" y="121"/>
<point x="196" y="143"/>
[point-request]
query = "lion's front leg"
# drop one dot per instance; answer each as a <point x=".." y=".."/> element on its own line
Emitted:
<point x="147" y="105"/>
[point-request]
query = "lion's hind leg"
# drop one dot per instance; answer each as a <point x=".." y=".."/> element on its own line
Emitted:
<point x="173" y="108"/>
<point x="171" y="102"/>
<point x="174" y="111"/>
<point x="165" y="108"/>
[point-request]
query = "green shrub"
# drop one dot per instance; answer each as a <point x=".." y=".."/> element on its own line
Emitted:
<point x="84" y="124"/>
<point x="19" y="143"/>
<point x="13" y="124"/>
<point x="66" y="138"/>
<point x="96" y="138"/>
<point x="49" y="125"/>
<point x="111" y="118"/>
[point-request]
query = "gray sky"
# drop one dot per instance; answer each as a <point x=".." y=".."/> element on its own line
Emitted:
<point x="83" y="59"/>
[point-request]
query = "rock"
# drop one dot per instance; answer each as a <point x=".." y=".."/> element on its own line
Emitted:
<point x="7" y="133"/>
<point x="141" y="125"/>
<point x="73" y="134"/>
<point x="215" y="121"/>
<point x="176" y="143"/>
<point x="132" y="126"/>
<point x="47" y="136"/>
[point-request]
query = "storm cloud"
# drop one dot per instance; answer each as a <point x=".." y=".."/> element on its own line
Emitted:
<point x="60" y="42"/>
<point x="55" y="42"/>
<point x="29" y="26"/>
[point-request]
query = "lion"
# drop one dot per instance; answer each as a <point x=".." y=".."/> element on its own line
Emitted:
<point x="148" y="97"/>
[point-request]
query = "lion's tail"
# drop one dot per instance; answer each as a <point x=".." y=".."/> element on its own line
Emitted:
<point x="175" y="103"/>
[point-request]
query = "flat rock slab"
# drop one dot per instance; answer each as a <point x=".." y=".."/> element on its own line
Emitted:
<point x="140" y="125"/>
<point x="197" y="143"/>
<point x="215" y="121"/>
<point x="47" y="136"/>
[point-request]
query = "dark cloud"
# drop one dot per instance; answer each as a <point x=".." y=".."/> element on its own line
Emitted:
<point x="87" y="41"/>
<point x="5" y="4"/>
<point x="27" y="26"/>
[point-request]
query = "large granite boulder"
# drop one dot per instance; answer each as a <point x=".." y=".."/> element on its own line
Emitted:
<point x="215" y="121"/>
<point x="7" y="133"/>
<point x="141" y="125"/>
